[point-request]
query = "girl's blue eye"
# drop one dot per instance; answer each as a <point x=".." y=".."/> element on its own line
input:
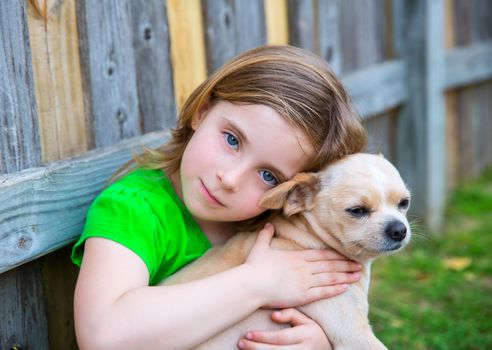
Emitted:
<point x="231" y="140"/>
<point x="268" y="177"/>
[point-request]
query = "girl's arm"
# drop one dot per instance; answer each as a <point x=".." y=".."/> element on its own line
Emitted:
<point x="114" y="307"/>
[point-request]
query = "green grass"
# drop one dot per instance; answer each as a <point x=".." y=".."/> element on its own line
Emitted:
<point x="437" y="294"/>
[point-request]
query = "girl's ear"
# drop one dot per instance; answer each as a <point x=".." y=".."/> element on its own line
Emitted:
<point x="294" y="196"/>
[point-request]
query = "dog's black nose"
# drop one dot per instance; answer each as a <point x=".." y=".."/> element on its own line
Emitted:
<point x="396" y="230"/>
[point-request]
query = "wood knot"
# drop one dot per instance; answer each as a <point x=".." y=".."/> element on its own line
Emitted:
<point x="147" y="33"/>
<point x="24" y="242"/>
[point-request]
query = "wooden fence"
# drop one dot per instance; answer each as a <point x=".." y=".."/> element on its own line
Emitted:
<point x="83" y="82"/>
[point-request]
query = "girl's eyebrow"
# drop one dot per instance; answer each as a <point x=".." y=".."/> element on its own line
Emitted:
<point x="237" y="130"/>
<point x="243" y="137"/>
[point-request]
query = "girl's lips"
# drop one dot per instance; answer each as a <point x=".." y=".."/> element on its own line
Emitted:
<point x="208" y="196"/>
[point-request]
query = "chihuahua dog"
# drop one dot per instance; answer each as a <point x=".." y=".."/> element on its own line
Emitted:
<point x="357" y="206"/>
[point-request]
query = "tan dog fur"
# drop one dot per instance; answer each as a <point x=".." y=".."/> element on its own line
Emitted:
<point x="315" y="215"/>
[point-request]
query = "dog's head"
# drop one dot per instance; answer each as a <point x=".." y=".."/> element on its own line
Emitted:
<point x="359" y="203"/>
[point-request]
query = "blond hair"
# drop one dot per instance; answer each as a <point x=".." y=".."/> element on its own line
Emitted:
<point x="296" y="83"/>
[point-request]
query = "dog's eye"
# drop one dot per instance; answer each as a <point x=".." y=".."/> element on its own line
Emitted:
<point x="404" y="203"/>
<point x="358" y="212"/>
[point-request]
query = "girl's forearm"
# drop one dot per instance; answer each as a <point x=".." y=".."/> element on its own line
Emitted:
<point x="181" y="316"/>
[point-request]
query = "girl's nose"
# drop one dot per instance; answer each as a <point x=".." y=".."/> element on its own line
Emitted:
<point x="229" y="179"/>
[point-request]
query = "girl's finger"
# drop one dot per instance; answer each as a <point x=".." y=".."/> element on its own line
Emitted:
<point x="246" y="344"/>
<point x="322" y="254"/>
<point x="324" y="292"/>
<point x="286" y="336"/>
<point x="334" y="278"/>
<point x="334" y="266"/>
<point x="292" y="316"/>
<point x="265" y="235"/>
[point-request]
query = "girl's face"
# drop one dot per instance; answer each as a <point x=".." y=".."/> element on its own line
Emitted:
<point x="237" y="153"/>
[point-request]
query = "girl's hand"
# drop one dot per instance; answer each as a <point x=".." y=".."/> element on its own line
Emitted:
<point x="291" y="278"/>
<point x="304" y="334"/>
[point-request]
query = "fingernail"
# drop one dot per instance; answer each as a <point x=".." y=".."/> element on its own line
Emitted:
<point x="356" y="275"/>
<point x="241" y="344"/>
<point x="249" y="336"/>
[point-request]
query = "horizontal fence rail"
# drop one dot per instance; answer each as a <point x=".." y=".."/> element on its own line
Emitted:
<point x="43" y="209"/>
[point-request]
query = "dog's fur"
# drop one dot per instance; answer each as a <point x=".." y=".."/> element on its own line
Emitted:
<point x="321" y="210"/>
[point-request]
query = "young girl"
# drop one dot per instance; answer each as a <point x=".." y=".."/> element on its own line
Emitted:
<point x="264" y="116"/>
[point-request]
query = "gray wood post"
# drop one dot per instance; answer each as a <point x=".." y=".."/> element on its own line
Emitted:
<point x="22" y="310"/>
<point x="419" y="39"/>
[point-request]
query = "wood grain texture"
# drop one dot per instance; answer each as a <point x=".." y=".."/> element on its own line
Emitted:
<point x="108" y="66"/>
<point x="473" y="30"/>
<point x="469" y="65"/>
<point x="419" y="38"/>
<point x="301" y="24"/>
<point x="22" y="308"/>
<point x="19" y="137"/>
<point x="154" y="76"/>
<point x="276" y="22"/>
<point x="231" y="27"/>
<point x="328" y="43"/>
<point x="57" y="77"/>
<point x="43" y="209"/>
<point x="387" y="89"/>
<point x="187" y="47"/>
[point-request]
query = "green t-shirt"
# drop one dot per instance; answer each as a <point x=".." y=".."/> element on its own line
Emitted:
<point x="142" y="212"/>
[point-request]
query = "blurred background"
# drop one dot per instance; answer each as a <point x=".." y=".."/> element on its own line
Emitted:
<point x="83" y="82"/>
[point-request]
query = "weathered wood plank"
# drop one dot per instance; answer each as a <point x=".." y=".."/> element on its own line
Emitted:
<point x="473" y="28"/>
<point x="302" y="24"/>
<point x="187" y="47"/>
<point x="56" y="65"/>
<point x="232" y="26"/>
<point x="387" y="88"/>
<point x="276" y="22"/>
<point x="250" y="24"/>
<point x="469" y="65"/>
<point x="328" y="41"/>
<point x="108" y="66"/>
<point x="419" y="38"/>
<point x="22" y="308"/>
<point x="362" y="33"/>
<point x="43" y="209"/>
<point x="19" y="138"/>
<point x="220" y="32"/>
<point x="156" y="101"/>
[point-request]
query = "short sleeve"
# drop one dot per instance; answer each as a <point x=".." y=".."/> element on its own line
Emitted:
<point x="123" y="216"/>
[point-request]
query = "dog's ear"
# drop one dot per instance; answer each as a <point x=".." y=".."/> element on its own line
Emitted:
<point x="294" y="196"/>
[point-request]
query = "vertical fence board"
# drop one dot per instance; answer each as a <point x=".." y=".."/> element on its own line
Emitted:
<point x="153" y="65"/>
<point x="301" y="24"/>
<point x="232" y="26"/>
<point x="472" y="25"/>
<point x="363" y="43"/>
<point x="328" y="39"/>
<point x="250" y="24"/>
<point x="276" y="22"/>
<point x="63" y="131"/>
<point x="22" y="309"/>
<point x="421" y="124"/>
<point x="187" y="47"/>
<point x="220" y="32"/>
<point x="19" y="139"/>
<point x="108" y="69"/>
<point x="56" y="65"/>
